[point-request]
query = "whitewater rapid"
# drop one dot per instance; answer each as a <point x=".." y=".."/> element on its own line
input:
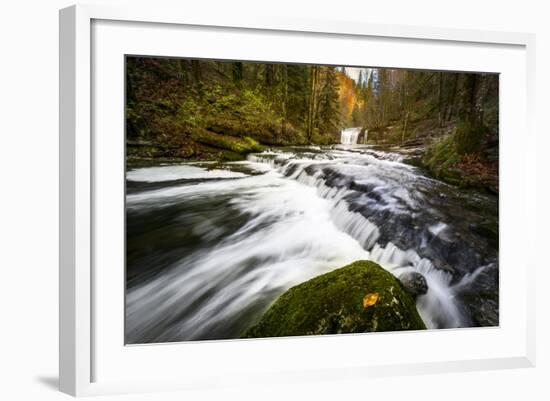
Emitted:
<point x="211" y="247"/>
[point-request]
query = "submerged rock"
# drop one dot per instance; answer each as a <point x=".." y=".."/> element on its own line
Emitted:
<point x="360" y="297"/>
<point x="414" y="282"/>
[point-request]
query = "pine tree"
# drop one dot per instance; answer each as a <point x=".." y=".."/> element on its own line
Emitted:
<point x="297" y="83"/>
<point x="329" y="105"/>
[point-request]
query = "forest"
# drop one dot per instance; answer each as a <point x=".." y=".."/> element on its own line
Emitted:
<point x="223" y="110"/>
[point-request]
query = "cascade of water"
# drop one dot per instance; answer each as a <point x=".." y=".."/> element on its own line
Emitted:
<point x="349" y="136"/>
<point x="437" y="307"/>
<point x="249" y="231"/>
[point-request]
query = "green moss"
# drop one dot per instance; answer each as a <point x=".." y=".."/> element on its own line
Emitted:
<point x="333" y="303"/>
<point x="441" y="153"/>
<point x="468" y="137"/>
<point x="440" y="159"/>
<point x="443" y="157"/>
<point x="225" y="142"/>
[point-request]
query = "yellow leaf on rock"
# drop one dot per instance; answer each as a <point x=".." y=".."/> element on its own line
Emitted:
<point x="370" y="299"/>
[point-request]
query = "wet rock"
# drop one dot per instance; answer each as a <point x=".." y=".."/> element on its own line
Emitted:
<point x="441" y="265"/>
<point x="479" y="296"/>
<point x="360" y="297"/>
<point x="415" y="283"/>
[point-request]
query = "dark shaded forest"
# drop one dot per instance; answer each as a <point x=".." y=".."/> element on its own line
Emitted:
<point x="220" y="110"/>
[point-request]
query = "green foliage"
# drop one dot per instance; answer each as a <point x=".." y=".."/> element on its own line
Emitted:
<point x="250" y="107"/>
<point x="462" y="162"/>
<point x="356" y="117"/>
<point x="445" y="97"/>
<point x="255" y="106"/>
<point x="237" y="145"/>
<point x="297" y="94"/>
<point x="169" y="101"/>
<point x="455" y="158"/>
<point x="441" y="154"/>
<point x="468" y="137"/>
<point x="361" y="297"/>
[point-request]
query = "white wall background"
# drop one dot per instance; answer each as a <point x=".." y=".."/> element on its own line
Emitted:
<point x="29" y="186"/>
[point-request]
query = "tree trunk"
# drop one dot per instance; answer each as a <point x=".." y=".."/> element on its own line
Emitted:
<point x="451" y="103"/>
<point x="440" y="101"/>
<point x="312" y="101"/>
<point x="467" y="109"/>
<point x="284" y="97"/>
<point x="269" y="75"/>
<point x="481" y="92"/>
<point x="404" y="128"/>
<point x="237" y="71"/>
<point x="196" y="68"/>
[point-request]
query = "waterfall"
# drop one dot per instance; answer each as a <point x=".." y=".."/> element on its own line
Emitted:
<point x="349" y="136"/>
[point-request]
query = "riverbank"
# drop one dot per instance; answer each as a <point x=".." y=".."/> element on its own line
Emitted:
<point x="457" y="153"/>
<point x="437" y="150"/>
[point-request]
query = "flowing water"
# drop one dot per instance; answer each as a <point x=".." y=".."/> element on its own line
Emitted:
<point x="349" y="136"/>
<point x="211" y="245"/>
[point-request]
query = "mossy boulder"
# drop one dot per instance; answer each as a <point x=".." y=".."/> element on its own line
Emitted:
<point x="361" y="297"/>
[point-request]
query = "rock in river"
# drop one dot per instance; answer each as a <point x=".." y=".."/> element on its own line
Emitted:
<point x="360" y="297"/>
<point x="414" y="282"/>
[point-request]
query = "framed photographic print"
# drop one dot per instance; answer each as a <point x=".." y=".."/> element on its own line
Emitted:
<point x="292" y="199"/>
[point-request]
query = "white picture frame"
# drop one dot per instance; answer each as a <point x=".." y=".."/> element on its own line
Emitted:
<point x="82" y="346"/>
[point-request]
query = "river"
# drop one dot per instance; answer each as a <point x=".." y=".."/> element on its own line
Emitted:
<point x="211" y="245"/>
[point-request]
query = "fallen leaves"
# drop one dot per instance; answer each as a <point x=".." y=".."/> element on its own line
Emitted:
<point x="370" y="299"/>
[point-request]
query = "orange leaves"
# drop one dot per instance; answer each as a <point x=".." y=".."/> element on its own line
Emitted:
<point x="370" y="299"/>
<point x="347" y="93"/>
